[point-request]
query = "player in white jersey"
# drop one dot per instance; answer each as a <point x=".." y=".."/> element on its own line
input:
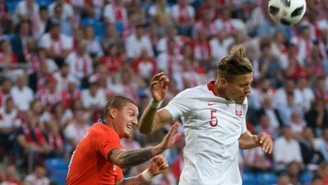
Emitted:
<point x="214" y="122"/>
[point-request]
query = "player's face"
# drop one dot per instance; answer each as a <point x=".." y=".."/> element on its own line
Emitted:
<point x="127" y="120"/>
<point x="240" y="88"/>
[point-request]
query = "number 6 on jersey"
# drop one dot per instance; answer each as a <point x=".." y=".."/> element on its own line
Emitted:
<point x="214" y="119"/>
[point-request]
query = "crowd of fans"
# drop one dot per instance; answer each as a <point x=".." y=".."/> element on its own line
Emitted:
<point x="62" y="60"/>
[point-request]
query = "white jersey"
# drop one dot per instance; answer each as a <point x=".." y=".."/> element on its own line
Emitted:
<point x="212" y="126"/>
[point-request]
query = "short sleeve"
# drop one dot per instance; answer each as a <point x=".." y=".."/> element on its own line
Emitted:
<point x="119" y="173"/>
<point x="105" y="140"/>
<point x="181" y="104"/>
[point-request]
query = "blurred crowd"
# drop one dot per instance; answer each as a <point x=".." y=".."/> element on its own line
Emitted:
<point x="61" y="61"/>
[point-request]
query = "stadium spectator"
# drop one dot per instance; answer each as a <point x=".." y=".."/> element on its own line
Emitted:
<point x="286" y="150"/>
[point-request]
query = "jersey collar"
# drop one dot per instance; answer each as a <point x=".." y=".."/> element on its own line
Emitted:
<point x="210" y="87"/>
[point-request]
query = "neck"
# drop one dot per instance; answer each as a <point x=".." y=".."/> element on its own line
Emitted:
<point x="219" y="90"/>
<point x="110" y="125"/>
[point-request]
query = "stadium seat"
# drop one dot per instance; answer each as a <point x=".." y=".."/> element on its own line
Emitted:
<point x="59" y="176"/>
<point x="306" y="178"/>
<point x="56" y="163"/>
<point x="267" y="178"/>
<point x="99" y="29"/>
<point x="88" y="22"/>
<point x="119" y="27"/>
<point x="44" y="2"/>
<point x="11" y="5"/>
<point x="249" y="179"/>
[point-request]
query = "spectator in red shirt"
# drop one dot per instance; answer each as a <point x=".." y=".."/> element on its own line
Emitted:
<point x="11" y="175"/>
<point x="112" y="59"/>
<point x="6" y="54"/>
<point x="210" y="6"/>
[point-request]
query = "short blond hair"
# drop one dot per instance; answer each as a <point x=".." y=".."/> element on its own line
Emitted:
<point x="236" y="63"/>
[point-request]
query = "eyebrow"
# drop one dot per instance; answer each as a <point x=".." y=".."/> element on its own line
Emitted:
<point x="130" y="109"/>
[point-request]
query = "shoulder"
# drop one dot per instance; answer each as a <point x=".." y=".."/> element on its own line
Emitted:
<point x="194" y="92"/>
<point x="101" y="129"/>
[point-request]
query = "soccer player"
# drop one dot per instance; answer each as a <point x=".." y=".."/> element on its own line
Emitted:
<point x="213" y="117"/>
<point x="99" y="156"/>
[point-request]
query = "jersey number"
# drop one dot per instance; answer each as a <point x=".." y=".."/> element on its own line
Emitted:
<point x="214" y="119"/>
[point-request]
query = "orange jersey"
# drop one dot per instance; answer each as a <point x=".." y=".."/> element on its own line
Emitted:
<point x="89" y="164"/>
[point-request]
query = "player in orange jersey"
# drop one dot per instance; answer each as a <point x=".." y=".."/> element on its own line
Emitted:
<point x="99" y="156"/>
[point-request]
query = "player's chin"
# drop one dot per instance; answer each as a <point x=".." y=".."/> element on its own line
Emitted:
<point x="240" y="100"/>
<point x="127" y="133"/>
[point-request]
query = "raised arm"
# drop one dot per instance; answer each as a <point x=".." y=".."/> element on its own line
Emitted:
<point x="128" y="158"/>
<point x="157" y="165"/>
<point x="152" y="119"/>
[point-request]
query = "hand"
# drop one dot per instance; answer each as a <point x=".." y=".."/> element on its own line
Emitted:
<point x="157" y="165"/>
<point x="170" y="138"/>
<point x="159" y="86"/>
<point x="265" y="141"/>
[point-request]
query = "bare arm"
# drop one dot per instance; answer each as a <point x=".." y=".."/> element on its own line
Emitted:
<point x="23" y="143"/>
<point x="153" y="119"/>
<point x="246" y="141"/>
<point x="127" y="158"/>
<point x="136" y="180"/>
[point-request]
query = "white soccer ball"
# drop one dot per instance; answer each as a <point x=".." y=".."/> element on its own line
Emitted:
<point x="287" y="12"/>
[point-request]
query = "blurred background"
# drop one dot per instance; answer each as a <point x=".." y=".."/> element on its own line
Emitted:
<point x="60" y="61"/>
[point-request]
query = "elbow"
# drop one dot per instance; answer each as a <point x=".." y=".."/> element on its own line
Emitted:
<point x="119" y="162"/>
<point x="121" y="165"/>
<point x="145" y="130"/>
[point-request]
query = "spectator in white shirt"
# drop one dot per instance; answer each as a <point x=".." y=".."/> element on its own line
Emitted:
<point x="58" y="46"/>
<point x="93" y="97"/>
<point x="38" y="177"/>
<point x="79" y="61"/>
<point x="297" y="124"/>
<point x="306" y="92"/>
<point x="280" y="97"/>
<point x="160" y="14"/>
<point x="220" y="44"/>
<point x="93" y="45"/>
<point x="283" y="179"/>
<point x="115" y="12"/>
<point x="286" y="150"/>
<point x="137" y="41"/>
<point x="170" y="61"/>
<point x="63" y="77"/>
<point x="26" y="10"/>
<point x="183" y="16"/>
<point x="67" y="9"/>
<point x="9" y="122"/>
<point x="22" y="94"/>
<point x="76" y="130"/>
<point x="171" y="33"/>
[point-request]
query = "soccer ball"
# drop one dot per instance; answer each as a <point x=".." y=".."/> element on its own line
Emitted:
<point x="287" y="12"/>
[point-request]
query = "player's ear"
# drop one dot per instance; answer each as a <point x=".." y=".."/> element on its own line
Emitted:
<point x="223" y="82"/>
<point x="112" y="112"/>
